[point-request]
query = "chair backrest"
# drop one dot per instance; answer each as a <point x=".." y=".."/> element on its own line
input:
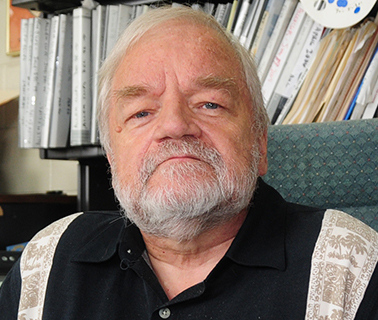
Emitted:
<point x="327" y="165"/>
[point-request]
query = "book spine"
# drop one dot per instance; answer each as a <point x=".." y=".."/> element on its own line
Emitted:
<point x="81" y="78"/>
<point x="98" y="42"/>
<point x="308" y="52"/>
<point x="61" y="112"/>
<point x="124" y="18"/>
<point x="24" y="78"/>
<point x="366" y="93"/>
<point x="301" y="68"/>
<point x="283" y="52"/>
<point x="271" y="21"/>
<point x="241" y="18"/>
<point x="112" y="27"/>
<point x="42" y="83"/>
<point x="291" y="61"/>
<point x="276" y="37"/>
<point x="248" y="23"/>
<point x="255" y="23"/>
<point x="260" y="30"/>
<point x="36" y="87"/>
<point x="50" y="78"/>
<point x="208" y="7"/>
<point x="26" y="132"/>
<point x="371" y="107"/>
<point x="232" y="15"/>
<point x="223" y="13"/>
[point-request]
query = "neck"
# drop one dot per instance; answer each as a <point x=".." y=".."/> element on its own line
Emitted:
<point x="180" y="265"/>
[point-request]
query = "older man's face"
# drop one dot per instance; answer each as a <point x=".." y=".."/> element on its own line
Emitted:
<point x="179" y="83"/>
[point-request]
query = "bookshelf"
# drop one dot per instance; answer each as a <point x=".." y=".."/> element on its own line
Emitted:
<point x="94" y="191"/>
<point x="94" y="187"/>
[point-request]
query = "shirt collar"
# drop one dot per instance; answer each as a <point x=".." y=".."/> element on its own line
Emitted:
<point x="261" y="239"/>
<point x="102" y="241"/>
<point x="259" y="242"/>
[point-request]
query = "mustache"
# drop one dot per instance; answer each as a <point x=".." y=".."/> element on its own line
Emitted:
<point x="186" y="147"/>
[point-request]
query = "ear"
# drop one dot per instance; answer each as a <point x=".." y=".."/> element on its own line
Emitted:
<point x="263" y="147"/>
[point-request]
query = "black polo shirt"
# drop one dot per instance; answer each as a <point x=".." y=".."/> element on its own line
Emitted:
<point x="100" y="271"/>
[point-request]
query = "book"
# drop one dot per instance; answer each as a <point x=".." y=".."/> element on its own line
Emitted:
<point x="81" y="78"/>
<point x="241" y="17"/>
<point x="220" y="8"/>
<point x="25" y="60"/>
<point x="344" y="82"/>
<point x="353" y="104"/>
<point x="111" y="28"/>
<point x="283" y="52"/>
<point x="299" y="72"/>
<point x="196" y="6"/>
<point x="367" y="51"/>
<point x="27" y="140"/>
<point x="98" y="40"/>
<point x="141" y="9"/>
<point x="208" y="7"/>
<point x="61" y="111"/>
<point x="318" y="72"/>
<point x="36" y="88"/>
<point x="270" y="18"/>
<point x="261" y="4"/>
<point x="340" y="77"/>
<point x="367" y="91"/>
<point x="371" y="107"/>
<point x="46" y="109"/>
<point x="280" y="91"/>
<point x="276" y="38"/>
<point x="222" y="13"/>
<point x="231" y="18"/>
<point x="125" y="16"/>
<point x="42" y="87"/>
<point x="248" y="24"/>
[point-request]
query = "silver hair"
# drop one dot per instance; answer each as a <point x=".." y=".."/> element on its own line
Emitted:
<point x="151" y="20"/>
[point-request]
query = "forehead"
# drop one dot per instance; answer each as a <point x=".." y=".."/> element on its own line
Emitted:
<point x="188" y="48"/>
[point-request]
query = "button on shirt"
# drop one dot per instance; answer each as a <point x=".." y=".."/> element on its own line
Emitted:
<point x="101" y="271"/>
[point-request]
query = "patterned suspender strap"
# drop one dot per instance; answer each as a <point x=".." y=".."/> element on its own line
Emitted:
<point x="36" y="262"/>
<point x="343" y="261"/>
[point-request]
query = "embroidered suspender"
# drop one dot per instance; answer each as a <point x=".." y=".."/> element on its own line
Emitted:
<point x="343" y="261"/>
<point x="35" y="265"/>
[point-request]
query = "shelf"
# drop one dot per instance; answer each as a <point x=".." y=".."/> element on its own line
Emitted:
<point x="37" y="198"/>
<point x="7" y="96"/>
<point x="72" y="153"/>
<point x="47" y="6"/>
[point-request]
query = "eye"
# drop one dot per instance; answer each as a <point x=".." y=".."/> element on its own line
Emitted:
<point x="211" y="106"/>
<point x="142" y="114"/>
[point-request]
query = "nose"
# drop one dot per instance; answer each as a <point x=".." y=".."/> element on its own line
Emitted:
<point x="176" y="120"/>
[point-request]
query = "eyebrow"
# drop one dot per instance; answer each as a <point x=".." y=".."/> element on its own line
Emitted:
<point x="214" y="82"/>
<point x="130" y="92"/>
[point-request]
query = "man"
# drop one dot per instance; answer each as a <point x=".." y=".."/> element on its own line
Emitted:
<point x="184" y="128"/>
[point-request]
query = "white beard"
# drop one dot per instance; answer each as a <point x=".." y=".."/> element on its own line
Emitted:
<point x="205" y="194"/>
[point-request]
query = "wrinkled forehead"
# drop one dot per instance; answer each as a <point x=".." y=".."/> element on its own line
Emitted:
<point x="195" y="44"/>
<point x="189" y="27"/>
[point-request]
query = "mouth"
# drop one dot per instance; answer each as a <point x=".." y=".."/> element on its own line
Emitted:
<point x="182" y="158"/>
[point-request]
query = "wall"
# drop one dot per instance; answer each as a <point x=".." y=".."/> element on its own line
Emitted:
<point x="21" y="170"/>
